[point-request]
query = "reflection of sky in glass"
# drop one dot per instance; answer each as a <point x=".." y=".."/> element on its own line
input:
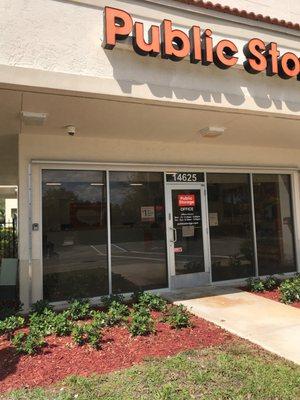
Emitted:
<point x="67" y="176"/>
<point x="84" y="192"/>
<point x="76" y="182"/>
<point x="120" y="187"/>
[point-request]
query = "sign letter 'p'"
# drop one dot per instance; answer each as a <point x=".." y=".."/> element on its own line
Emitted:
<point x="118" y="25"/>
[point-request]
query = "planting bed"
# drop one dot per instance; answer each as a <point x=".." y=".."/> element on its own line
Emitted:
<point x="275" y="295"/>
<point x="61" y="357"/>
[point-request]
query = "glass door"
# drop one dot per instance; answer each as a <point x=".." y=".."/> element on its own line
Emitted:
<point x="187" y="229"/>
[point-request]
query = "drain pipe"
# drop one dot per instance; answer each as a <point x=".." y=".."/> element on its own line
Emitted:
<point x="29" y="180"/>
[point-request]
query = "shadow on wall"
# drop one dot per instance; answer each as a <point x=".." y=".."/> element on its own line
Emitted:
<point x="182" y="80"/>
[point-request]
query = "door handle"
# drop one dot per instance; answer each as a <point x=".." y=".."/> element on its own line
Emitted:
<point x="174" y="235"/>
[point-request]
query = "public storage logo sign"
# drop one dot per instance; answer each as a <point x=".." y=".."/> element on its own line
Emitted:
<point x="186" y="200"/>
<point x="198" y="44"/>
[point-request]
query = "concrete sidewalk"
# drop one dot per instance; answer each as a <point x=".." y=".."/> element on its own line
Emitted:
<point x="273" y="326"/>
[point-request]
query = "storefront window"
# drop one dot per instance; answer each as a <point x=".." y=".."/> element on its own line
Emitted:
<point x="230" y="220"/>
<point x="274" y="224"/>
<point x="74" y="234"/>
<point x="138" y="243"/>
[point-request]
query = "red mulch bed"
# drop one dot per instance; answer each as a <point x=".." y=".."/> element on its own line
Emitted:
<point x="119" y="350"/>
<point x="273" y="295"/>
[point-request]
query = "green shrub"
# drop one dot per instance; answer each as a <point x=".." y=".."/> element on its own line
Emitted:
<point x="78" y="335"/>
<point x="178" y="317"/>
<point x="117" y="313"/>
<point x="108" y="300"/>
<point x="28" y="343"/>
<point x="290" y="290"/>
<point x="141" y="322"/>
<point x="10" y="325"/>
<point x="62" y="326"/>
<point x="136" y="295"/>
<point x="79" y="309"/>
<point x="151" y="301"/>
<point x="43" y="323"/>
<point x="87" y="333"/>
<point x="271" y="282"/>
<point x="40" y="307"/>
<point x="99" y="318"/>
<point x="255" y="285"/>
<point x="93" y="335"/>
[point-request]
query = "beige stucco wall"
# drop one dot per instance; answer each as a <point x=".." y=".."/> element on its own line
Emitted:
<point x="63" y="42"/>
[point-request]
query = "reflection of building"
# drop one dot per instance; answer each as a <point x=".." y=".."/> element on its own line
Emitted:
<point x="96" y="209"/>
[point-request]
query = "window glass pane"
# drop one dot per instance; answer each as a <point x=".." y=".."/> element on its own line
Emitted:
<point x="137" y="231"/>
<point x="230" y="219"/>
<point x="274" y="224"/>
<point x="74" y="234"/>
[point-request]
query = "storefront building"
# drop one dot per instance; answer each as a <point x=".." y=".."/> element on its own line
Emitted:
<point x="155" y="144"/>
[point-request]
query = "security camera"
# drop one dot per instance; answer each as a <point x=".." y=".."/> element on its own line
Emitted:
<point x="71" y="130"/>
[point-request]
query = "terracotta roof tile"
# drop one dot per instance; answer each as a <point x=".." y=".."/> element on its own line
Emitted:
<point x="241" y="13"/>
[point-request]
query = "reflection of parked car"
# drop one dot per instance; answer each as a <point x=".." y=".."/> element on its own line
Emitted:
<point x="92" y="215"/>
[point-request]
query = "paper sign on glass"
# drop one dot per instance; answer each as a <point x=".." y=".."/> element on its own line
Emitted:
<point x="186" y="200"/>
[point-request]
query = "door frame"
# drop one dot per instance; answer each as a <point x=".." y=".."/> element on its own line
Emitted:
<point x="201" y="186"/>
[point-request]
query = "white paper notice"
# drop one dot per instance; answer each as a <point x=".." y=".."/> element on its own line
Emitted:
<point x="213" y="219"/>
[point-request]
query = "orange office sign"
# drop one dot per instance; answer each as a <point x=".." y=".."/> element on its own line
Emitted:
<point x="198" y="45"/>
<point x="186" y="200"/>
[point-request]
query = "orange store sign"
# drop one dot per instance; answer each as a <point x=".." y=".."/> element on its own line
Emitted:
<point x="186" y="200"/>
<point x="199" y="45"/>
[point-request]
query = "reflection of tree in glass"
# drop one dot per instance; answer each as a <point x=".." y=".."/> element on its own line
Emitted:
<point x="127" y="209"/>
<point x="2" y="210"/>
<point x="246" y="249"/>
<point x="56" y="203"/>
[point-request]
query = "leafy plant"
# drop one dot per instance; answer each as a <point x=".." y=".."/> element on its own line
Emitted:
<point x="79" y="309"/>
<point x="99" y="318"/>
<point x="151" y="301"/>
<point x="117" y="313"/>
<point x="78" y="335"/>
<point x="10" y="325"/>
<point x="136" y="295"/>
<point x="40" y="307"/>
<point x="28" y="343"/>
<point x="93" y="335"/>
<point x="290" y="290"/>
<point x="62" y="326"/>
<point x="108" y="300"/>
<point x="43" y="323"/>
<point x="178" y="317"/>
<point x="141" y="322"/>
<point x="255" y="285"/>
<point x="88" y="333"/>
<point x="271" y="283"/>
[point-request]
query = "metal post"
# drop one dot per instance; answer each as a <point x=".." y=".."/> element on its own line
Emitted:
<point x="108" y="234"/>
<point x="254" y="226"/>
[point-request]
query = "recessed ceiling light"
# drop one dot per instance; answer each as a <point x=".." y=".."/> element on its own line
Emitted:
<point x="136" y="184"/>
<point x="97" y="184"/>
<point x="53" y="184"/>
<point x="212" y="131"/>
